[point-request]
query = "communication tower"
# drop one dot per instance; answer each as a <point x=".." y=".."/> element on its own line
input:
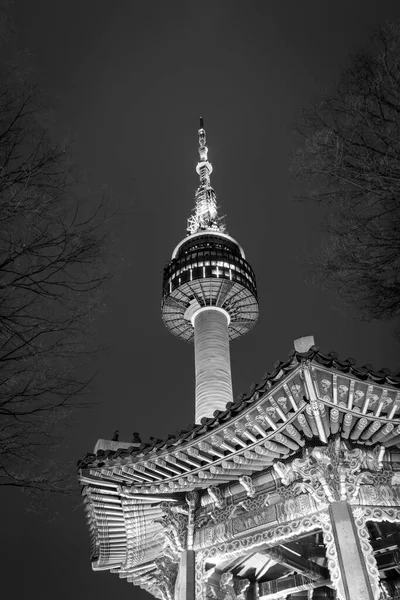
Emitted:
<point x="209" y="293"/>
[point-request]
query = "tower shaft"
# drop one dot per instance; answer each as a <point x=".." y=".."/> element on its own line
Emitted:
<point x="212" y="361"/>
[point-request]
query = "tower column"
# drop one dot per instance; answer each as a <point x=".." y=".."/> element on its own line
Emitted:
<point x="212" y="361"/>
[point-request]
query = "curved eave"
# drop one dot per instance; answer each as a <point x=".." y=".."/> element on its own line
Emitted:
<point x="305" y="401"/>
<point x="270" y="380"/>
<point x="124" y="529"/>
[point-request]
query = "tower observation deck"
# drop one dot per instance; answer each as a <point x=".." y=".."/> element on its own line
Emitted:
<point x="209" y="293"/>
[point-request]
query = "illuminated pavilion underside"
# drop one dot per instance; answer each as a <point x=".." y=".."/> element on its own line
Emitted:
<point x="292" y="492"/>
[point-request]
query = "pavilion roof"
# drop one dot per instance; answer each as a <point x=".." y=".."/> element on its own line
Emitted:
<point x="304" y="401"/>
<point x="366" y="373"/>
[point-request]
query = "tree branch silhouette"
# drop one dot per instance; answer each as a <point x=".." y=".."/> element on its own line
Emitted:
<point x="52" y="270"/>
<point x="350" y="162"/>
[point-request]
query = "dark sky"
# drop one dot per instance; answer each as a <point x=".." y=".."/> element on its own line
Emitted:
<point x="132" y="79"/>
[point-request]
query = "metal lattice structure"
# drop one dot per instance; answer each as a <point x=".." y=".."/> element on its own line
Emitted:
<point x="205" y="214"/>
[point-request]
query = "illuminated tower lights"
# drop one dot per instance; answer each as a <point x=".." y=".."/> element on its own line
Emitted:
<point x="209" y="293"/>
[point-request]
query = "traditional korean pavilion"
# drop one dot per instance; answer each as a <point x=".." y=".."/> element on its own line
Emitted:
<point x="290" y="491"/>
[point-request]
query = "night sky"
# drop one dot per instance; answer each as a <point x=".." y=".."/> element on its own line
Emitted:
<point x="132" y="79"/>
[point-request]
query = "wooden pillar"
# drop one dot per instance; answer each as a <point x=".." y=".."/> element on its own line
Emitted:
<point x="186" y="576"/>
<point x="354" y="583"/>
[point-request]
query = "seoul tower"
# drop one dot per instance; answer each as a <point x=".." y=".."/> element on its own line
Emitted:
<point x="209" y="293"/>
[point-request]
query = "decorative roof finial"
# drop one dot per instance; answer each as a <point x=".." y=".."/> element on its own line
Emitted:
<point x="205" y="214"/>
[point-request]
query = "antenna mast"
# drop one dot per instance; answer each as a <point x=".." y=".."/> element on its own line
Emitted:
<point x="205" y="214"/>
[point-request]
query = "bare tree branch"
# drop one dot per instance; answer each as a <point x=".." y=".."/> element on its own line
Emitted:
<point x="350" y="161"/>
<point x="52" y="269"/>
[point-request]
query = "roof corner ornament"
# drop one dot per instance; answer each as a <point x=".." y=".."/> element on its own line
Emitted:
<point x="247" y="482"/>
<point x="216" y="496"/>
<point x="205" y="214"/>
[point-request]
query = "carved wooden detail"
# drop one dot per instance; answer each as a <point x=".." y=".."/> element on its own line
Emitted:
<point x="174" y="522"/>
<point x="248" y="485"/>
<point x="331" y="473"/>
<point x="267" y="537"/>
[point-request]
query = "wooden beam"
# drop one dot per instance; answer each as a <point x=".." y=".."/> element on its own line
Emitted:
<point x="281" y="588"/>
<point x="386" y="542"/>
<point x="294" y="562"/>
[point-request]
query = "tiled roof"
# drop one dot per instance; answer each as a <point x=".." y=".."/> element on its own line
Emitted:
<point x="268" y="381"/>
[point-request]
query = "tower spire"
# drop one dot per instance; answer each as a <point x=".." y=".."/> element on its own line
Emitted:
<point x="205" y="214"/>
